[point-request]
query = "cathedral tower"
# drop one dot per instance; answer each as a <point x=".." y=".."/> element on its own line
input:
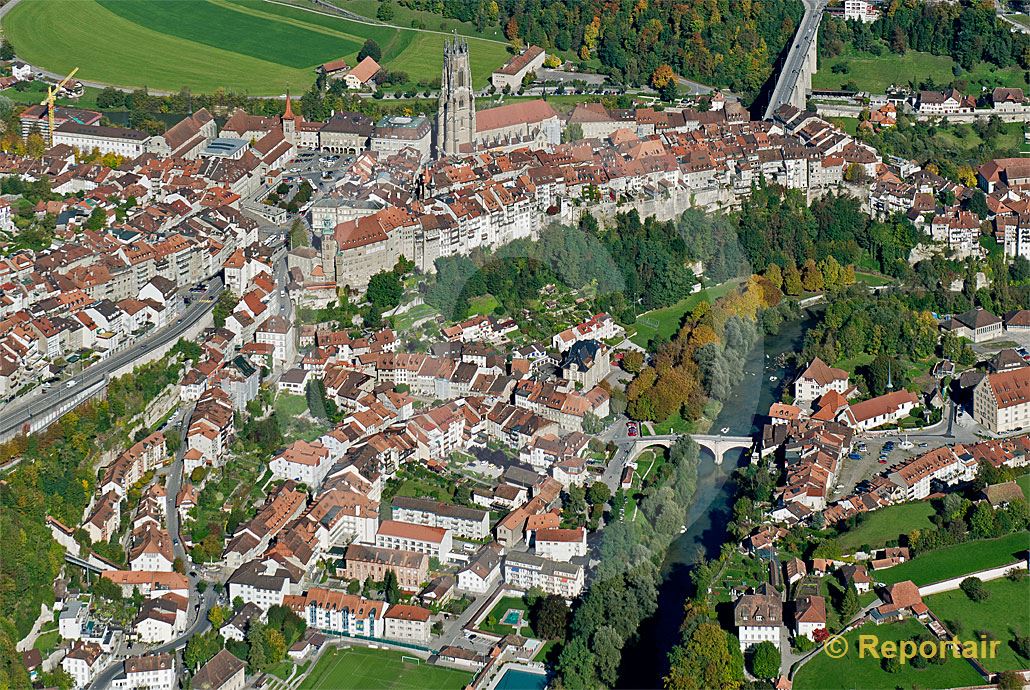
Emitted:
<point x="456" y="115"/>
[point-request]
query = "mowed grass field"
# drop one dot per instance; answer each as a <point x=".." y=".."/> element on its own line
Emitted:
<point x="855" y="672"/>
<point x="885" y="524"/>
<point x="665" y="322"/>
<point x="1004" y="614"/>
<point x="358" y="668"/>
<point x="960" y="559"/>
<point x="874" y="73"/>
<point x="251" y="46"/>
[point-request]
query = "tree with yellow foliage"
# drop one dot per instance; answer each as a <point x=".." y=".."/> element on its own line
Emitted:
<point x="591" y="33"/>
<point x="966" y="175"/>
<point x="35" y="145"/>
<point x="661" y="77"/>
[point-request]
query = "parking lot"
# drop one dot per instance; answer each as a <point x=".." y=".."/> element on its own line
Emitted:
<point x="896" y="448"/>
<point x="872" y="456"/>
<point x="322" y="170"/>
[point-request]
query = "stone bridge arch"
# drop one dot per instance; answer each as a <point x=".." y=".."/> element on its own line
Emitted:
<point x="717" y="445"/>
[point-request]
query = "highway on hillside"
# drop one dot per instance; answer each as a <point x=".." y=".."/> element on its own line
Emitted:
<point x="22" y="411"/>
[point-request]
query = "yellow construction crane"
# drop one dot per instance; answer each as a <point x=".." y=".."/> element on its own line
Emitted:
<point x="51" y="91"/>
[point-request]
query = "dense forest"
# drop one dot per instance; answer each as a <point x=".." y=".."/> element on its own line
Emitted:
<point x="728" y="43"/>
<point x="776" y="227"/>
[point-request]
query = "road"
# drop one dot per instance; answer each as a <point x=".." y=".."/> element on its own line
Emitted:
<point x="1016" y="26"/>
<point x="796" y="58"/>
<point x="174" y="483"/>
<point x="199" y="604"/>
<point x="454" y="627"/>
<point x="23" y="410"/>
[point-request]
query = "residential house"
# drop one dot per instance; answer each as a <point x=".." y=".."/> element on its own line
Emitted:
<point x="560" y="544"/>
<point x="433" y="541"/>
<point x="152" y="672"/>
<point x="818" y="379"/>
<point x="483" y="571"/>
<point x="1001" y="401"/>
<point x="303" y="462"/>
<point x="223" y="671"/>
<point x="525" y="571"/>
<point x="809" y="616"/>
<point x="586" y="363"/>
<point x="410" y="567"/>
<point x="261" y="583"/>
<point x="406" y="623"/>
<point x="348" y="614"/>
<point x="758" y="617"/>
<point x="468" y="523"/>
<point x="82" y="662"/>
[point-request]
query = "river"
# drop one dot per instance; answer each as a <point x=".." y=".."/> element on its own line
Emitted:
<point x="710" y="511"/>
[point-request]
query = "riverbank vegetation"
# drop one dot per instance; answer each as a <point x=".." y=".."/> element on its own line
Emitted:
<point x="707" y="656"/>
<point x="776" y="226"/>
<point x="624" y="589"/>
<point x="629" y="265"/>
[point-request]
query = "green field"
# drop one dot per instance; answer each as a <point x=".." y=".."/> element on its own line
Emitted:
<point x="251" y="46"/>
<point x="668" y="318"/>
<point x="854" y="673"/>
<point x="648" y="461"/>
<point x="35" y="91"/>
<point x="357" y="668"/>
<point x="1024" y="484"/>
<point x="674" y="424"/>
<point x="47" y="642"/>
<point x="885" y="524"/>
<point x="293" y="426"/>
<point x="999" y="615"/>
<point x="405" y="16"/>
<point x="403" y="321"/>
<point x="872" y="279"/>
<point x="484" y="304"/>
<point x="969" y="557"/>
<point x="874" y="73"/>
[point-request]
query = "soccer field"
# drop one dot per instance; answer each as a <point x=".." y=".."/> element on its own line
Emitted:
<point x="359" y="668"/>
<point x="251" y="46"/>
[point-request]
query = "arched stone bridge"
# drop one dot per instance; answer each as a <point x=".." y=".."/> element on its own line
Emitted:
<point x="715" y="444"/>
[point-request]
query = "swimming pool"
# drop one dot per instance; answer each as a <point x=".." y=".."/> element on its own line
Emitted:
<point x="517" y="679"/>
<point x="512" y="617"/>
